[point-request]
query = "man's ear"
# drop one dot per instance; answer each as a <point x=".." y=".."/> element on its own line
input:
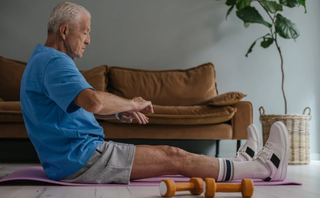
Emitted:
<point x="64" y="31"/>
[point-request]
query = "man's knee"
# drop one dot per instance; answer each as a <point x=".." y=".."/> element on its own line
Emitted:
<point x="172" y="151"/>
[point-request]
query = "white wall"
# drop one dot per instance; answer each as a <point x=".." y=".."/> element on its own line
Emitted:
<point x="179" y="34"/>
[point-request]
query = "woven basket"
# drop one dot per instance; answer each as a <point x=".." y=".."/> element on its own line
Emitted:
<point x="298" y="129"/>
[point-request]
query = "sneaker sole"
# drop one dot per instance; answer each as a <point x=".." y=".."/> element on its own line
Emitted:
<point x="285" y="158"/>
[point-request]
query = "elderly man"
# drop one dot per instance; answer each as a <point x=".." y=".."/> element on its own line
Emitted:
<point x="59" y="109"/>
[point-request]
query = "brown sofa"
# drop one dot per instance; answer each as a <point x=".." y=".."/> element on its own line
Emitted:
<point x="186" y="103"/>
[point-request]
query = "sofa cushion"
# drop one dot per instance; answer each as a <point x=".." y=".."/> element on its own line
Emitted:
<point x="96" y="77"/>
<point x="188" y="115"/>
<point x="10" y="112"/>
<point x="10" y="79"/>
<point x="229" y="98"/>
<point x="168" y="115"/>
<point x="165" y="87"/>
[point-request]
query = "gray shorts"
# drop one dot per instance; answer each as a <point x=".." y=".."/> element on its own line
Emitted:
<point x="110" y="163"/>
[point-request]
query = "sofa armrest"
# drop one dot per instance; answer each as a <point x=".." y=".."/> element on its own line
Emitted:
<point x="10" y="112"/>
<point x="241" y="119"/>
<point x="10" y="106"/>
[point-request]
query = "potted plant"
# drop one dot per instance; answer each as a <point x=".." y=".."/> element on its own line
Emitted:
<point x="277" y="26"/>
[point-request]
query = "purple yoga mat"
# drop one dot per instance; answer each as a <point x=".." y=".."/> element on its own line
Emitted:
<point x="36" y="173"/>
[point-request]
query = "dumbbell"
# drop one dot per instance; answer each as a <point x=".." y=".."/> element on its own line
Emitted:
<point x="211" y="187"/>
<point x="168" y="187"/>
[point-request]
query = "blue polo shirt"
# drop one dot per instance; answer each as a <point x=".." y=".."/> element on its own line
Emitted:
<point x="63" y="134"/>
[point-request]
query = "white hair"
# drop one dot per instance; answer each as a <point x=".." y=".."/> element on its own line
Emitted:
<point x="65" y="13"/>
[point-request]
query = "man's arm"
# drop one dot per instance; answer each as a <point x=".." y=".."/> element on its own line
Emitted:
<point x="125" y="117"/>
<point x="104" y="103"/>
<point x="104" y="117"/>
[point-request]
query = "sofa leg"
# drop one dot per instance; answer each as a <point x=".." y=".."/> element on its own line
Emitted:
<point x="238" y="145"/>
<point x="217" y="148"/>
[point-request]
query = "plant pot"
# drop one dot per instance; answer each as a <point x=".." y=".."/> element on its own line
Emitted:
<point x="298" y="129"/>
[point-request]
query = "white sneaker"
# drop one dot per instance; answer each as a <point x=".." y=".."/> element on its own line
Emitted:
<point x="250" y="149"/>
<point x="275" y="153"/>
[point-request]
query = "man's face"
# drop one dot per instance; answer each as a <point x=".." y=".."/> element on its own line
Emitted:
<point x="78" y="38"/>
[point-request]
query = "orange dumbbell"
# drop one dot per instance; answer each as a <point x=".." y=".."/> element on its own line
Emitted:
<point x="211" y="187"/>
<point x="168" y="188"/>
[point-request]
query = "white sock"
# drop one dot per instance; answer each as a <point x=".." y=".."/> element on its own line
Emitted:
<point x="230" y="170"/>
<point x="226" y="170"/>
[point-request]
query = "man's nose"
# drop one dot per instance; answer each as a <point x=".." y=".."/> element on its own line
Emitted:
<point x="87" y="40"/>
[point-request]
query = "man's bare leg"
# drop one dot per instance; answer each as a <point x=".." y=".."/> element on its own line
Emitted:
<point x="270" y="163"/>
<point x="152" y="161"/>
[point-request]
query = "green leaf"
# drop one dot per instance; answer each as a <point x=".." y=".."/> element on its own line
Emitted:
<point x="251" y="47"/>
<point x="243" y="3"/>
<point x="229" y="11"/>
<point x="289" y="3"/>
<point x="251" y="15"/>
<point x="272" y="6"/>
<point x="285" y="28"/>
<point x="246" y="25"/>
<point x="303" y="3"/>
<point x="267" y="41"/>
<point x="294" y="3"/>
<point x="231" y="2"/>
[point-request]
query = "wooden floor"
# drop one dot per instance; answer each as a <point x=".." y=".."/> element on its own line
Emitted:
<point x="309" y="175"/>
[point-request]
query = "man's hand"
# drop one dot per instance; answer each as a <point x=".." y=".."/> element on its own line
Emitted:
<point x="142" y="105"/>
<point x="129" y="116"/>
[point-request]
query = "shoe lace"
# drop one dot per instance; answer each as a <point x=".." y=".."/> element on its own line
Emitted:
<point x="265" y="153"/>
<point x="240" y="150"/>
